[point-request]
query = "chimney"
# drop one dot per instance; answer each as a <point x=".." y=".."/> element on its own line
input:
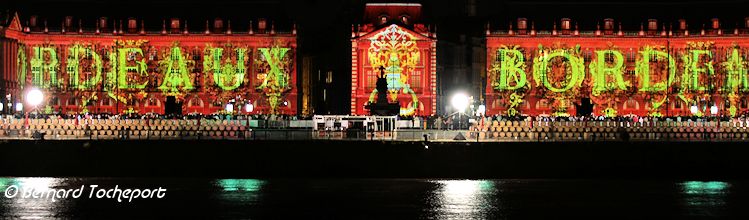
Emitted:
<point x="522" y="26"/>
<point x="103" y="24"/>
<point x="608" y="26"/>
<point x="218" y="25"/>
<point x="174" y="26"/>
<point x="32" y="21"/>
<point x="261" y="25"/>
<point x="716" y="27"/>
<point x="566" y="26"/>
<point x="716" y="23"/>
<point x="652" y="26"/>
<point x="132" y="26"/>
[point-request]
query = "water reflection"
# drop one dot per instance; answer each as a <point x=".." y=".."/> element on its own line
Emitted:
<point x="464" y="199"/>
<point x="385" y="199"/>
<point x="705" y="198"/>
<point x="240" y="191"/>
<point x="29" y="208"/>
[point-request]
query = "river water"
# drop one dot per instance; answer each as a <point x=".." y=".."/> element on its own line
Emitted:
<point x="375" y="199"/>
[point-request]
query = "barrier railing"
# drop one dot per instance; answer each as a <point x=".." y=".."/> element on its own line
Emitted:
<point x="499" y="132"/>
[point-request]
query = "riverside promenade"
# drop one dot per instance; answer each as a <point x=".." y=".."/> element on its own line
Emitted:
<point x="494" y="131"/>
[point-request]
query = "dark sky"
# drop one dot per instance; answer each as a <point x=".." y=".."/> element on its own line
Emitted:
<point x="324" y="25"/>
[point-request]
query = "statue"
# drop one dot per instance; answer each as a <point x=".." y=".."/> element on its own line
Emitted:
<point x="382" y="106"/>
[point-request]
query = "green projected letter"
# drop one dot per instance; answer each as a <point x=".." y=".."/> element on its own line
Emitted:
<point x="75" y="54"/>
<point x="176" y="74"/>
<point x="44" y="68"/>
<point x="276" y="75"/>
<point x="124" y="69"/>
<point x="642" y="70"/>
<point x="600" y="70"/>
<point x="224" y="72"/>
<point x="690" y="77"/>
<point x="21" y="65"/>
<point x="511" y="67"/>
<point x="574" y="78"/>
<point x="736" y="72"/>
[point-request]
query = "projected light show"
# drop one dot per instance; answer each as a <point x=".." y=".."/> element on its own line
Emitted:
<point x="135" y="72"/>
<point x="406" y="51"/>
<point x="653" y="73"/>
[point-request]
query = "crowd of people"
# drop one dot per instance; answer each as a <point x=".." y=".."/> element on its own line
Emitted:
<point x="439" y="122"/>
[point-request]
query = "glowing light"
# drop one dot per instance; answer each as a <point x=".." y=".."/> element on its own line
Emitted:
<point x="700" y="187"/>
<point x="19" y="107"/>
<point x="714" y="110"/>
<point x="248" y="185"/>
<point x="229" y="107"/>
<point x="34" y="97"/>
<point x="481" y="110"/>
<point x="248" y="107"/>
<point x="694" y="109"/>
<point x="460" y="102"/>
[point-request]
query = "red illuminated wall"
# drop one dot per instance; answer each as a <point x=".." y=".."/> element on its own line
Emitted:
<point x="206" y="97"/>
<point x="406" y="50"/>
<point x="678" y="43"/>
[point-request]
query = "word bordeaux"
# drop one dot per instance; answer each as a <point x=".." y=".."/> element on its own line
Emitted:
<point x="607" y="69"/>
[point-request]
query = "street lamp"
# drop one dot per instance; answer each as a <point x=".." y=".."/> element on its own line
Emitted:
<point x="714" y="110"/>
<point x="34" y="97"/>
<point x="460" y="103"/>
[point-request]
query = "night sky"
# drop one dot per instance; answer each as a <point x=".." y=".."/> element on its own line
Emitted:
<point x="324" y="26"/>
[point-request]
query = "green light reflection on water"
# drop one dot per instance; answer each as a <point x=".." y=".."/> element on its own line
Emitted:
<point x="705" y="194"/>
<point x="247" y="185"/>
<point x="705" y="188"/>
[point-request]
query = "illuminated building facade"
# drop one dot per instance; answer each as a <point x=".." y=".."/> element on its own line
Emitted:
<point x="394" y="39"/>
<point x="657" y="71"/>
<point x="119" y="67"/>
